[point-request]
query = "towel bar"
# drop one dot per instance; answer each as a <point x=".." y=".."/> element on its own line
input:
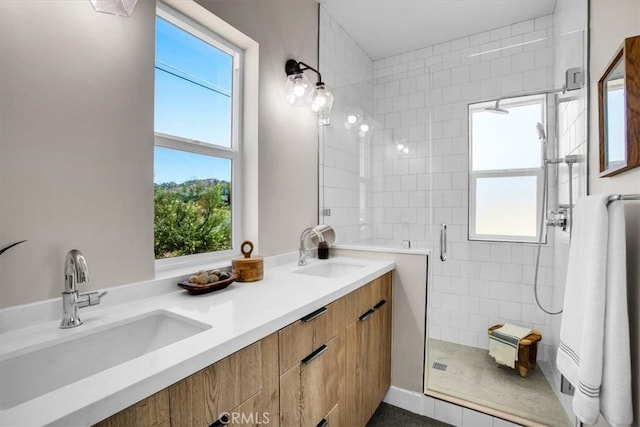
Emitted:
<point x="623" y="197"/>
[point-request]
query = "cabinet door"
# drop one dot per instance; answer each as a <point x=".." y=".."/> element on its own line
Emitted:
<point x="202" y="398"/>
<point x="311" y="389"/>
<point x="356" y="371"/>
<point x="368" y="351"/>
<point x="152" y="411"/>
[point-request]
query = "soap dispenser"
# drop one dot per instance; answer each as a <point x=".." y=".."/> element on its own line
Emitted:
<point x="323" y="250"/>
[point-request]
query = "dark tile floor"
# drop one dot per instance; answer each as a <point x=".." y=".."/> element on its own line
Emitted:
<point x="388" y="415"/>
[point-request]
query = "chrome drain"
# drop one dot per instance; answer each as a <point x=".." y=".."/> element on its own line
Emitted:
<point x="439" y="366"/>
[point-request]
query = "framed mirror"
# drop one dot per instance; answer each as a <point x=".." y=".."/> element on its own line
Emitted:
<point x="619" y="110"/>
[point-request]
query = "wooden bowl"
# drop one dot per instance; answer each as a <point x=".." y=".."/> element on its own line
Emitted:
<point x="198" y="289"/>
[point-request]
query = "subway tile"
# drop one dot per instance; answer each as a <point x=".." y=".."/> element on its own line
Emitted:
<point x="500" y="290"/>
<point x="416" y="99"/>
<point x="441" y="78"/>
<point x="470" y="304"/>
<point x="399" y="103"/>
<point x="522" y="27"/>
<point x="460" y="75"/>
<point x="468" y="338"/>
<point x="459" y="320"/>
<point x="417" y="64"/>
<point x="480" y="38"/>
<point x="442" y="48"/>
<point x="450" y="302"/>
<point x="480" y="71"/>
<point x="500" y="67"/>
<point x="451" y="94"/>
<point x="392" y="88"/>
<point x="511" y="310"/>
<point x="408" y="118"/>
<point x="408" y="56"/>
<point x="500" y="33"/>
<point x="417" y="199"/>
<point x="424" y="52"/>
<point x="459" y="285"/>
<point x="448" y="412"/>
<point x="522" y="62"/>
<point x="408" y="85"/>
<point x="513" y="83"/>
<point x="543" y="22"/>
<point x="472" y="418"/>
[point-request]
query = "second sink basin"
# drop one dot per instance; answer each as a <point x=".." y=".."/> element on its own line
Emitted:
<point x="329" y="269"/>
<point x="26" y="376"/>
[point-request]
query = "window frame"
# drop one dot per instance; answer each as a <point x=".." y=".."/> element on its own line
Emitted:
<point x="232" y="153"/>
<point x="538" y="172"/>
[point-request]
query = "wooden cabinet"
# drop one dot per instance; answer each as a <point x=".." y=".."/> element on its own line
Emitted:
<point x="330" y="368"/>
<point x="241" y="389"/>
<point x="152" y="411"/>
<point x="246" y="379"/>
<point x="368" y="349"/>
<point x="312" y="366"/>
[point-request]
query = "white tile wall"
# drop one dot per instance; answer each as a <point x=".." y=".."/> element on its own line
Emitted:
<point x="343" y="155"/>
<point x="419" y="99"/>
<point x="481" y="283"/>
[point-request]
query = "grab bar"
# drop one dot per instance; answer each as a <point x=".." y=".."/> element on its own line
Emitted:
<point x="443" y="241"/>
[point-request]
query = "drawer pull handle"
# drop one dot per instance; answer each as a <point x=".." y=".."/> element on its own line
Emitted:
<point x="380" y="304"/>
<point x="314" y="315"/>
<point x="323" y="423"/>
<point x="313" y="356"/>
<point x="222" y="421"/>
<point x="367" y="314"/>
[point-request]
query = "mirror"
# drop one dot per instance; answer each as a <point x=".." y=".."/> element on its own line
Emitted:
<point x="618" y="97"/>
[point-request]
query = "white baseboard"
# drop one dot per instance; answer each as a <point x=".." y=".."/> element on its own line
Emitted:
<point x="411" y="401"/>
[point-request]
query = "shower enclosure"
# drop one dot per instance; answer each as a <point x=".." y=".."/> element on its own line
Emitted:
<point x="394" y="166"/>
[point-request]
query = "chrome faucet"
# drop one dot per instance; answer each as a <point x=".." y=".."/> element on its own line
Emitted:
<point x="304" y="252"/>
<point x="76" y="273"/>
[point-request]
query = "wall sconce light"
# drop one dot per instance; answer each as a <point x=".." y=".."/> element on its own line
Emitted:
<point x="300" y="92"/>
<point x="114" y="7"/>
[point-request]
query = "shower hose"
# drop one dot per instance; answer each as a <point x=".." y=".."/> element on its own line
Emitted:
<point x="545" y="195"/>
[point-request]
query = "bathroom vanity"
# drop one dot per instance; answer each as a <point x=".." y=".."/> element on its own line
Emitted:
<point x="303" y="346"/>
<point x="330" y="367"/>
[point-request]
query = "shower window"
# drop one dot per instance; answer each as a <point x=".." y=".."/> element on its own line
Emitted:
<point x="506" y="167"/>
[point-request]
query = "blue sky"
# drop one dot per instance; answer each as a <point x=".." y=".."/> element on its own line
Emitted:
<point x="192" y="100"/>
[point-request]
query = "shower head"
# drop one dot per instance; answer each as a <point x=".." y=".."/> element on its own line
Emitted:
<point x="496" y="109"/>
<point x="541" y="133"/>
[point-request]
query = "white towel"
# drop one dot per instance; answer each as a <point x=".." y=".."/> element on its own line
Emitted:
<point x="594" y="353"/>
<point x="504" y="343"/>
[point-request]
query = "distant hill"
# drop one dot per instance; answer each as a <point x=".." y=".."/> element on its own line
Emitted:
<point x="209" y="182"/>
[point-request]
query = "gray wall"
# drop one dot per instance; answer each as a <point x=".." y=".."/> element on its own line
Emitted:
<point x="76" y="145"/>
<point x="612" y="21"/>
<point x="76" y="138"/>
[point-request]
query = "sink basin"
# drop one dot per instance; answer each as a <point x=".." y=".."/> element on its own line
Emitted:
<point x="63" y="361"/>
<point x="329" y="270"/>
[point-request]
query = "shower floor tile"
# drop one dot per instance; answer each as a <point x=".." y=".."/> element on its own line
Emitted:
<point x="471" y="375"/>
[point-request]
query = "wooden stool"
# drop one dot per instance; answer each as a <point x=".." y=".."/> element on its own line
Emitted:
<point x="527" y="350"/>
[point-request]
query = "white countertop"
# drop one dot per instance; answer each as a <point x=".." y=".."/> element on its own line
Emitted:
<point x="239" y="315"/>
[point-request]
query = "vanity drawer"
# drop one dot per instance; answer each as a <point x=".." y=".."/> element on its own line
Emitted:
<point x="245" y="380"/>
<point x="309" y="333"/>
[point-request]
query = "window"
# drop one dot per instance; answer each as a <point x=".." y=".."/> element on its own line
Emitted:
<point x="506" y="167"/>
<point x="197" y="144"/>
